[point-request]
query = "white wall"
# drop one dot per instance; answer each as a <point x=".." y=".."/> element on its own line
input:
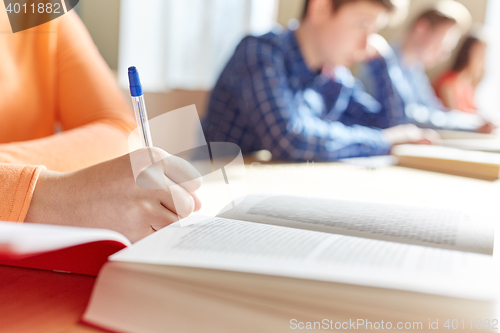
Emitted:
<point x="102" y="18"/>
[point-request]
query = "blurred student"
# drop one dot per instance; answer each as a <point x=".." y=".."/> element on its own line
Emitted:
<point x="53" y="76"/>
<point x="457" y="87"/>
<point x="397" y="78"/>
<point x="272" y="94"/>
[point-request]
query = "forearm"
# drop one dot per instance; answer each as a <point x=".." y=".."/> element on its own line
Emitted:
<point x="70" y="150"/>
<point x="327" y="142"/>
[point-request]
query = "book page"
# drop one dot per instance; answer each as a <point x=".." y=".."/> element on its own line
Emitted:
<point x="241" y="246"/>
<point x="410" y="224"/>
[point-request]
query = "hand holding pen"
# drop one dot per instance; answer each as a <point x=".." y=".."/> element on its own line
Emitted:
<point x="106" y="195"/>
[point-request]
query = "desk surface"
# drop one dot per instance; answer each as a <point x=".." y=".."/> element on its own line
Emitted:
<point x="41" y="301"/>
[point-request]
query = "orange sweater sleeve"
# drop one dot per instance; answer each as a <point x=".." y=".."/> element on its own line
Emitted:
<point x="17" y="184"/>
<point x="90" y="107"/>
<point x="65" y="82"/>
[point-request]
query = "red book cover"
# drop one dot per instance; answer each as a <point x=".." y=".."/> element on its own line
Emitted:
<point x="65" y="249"/>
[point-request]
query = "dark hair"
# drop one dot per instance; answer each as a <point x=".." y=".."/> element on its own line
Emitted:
<point x="339" y="3"/>
<point x="446" y="12"/>
<point x="435" y="18"/>
<point x="463" y="55"/>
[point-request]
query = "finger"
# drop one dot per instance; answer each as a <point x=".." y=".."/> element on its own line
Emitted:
<point x="197" y="202"/>
<point x="414" y="133"/>
<point x="152" y="178"/>
<point x="177" y="200"/>
<point x="179" y="171"/>
<point x="425" y="142"/>
<point x="487" y="129"/>
<point x="143" y="158"/>
<point x="182" y="172"/>
<point x="163" y="219"/>
<point x="432" y="136"/>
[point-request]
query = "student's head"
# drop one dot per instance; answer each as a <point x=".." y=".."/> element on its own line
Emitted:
<point x="340" y="28"/>
<point x="435" y="33"/>
<point x="471" y="57"/>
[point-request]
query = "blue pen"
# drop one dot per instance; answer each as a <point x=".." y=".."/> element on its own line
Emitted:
<point x="141" y="116"/>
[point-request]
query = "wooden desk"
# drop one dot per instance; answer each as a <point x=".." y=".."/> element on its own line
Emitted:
<point x="42" y="301"/>
<point x="39" y="301"/>
<point x="341" y="181"/>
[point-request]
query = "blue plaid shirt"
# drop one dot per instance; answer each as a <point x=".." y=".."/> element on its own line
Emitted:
<point x="267" y="98"/>
<point x="406" y="96"/>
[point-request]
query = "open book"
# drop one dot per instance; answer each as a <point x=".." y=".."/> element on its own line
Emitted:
<point x="278" y="263"/>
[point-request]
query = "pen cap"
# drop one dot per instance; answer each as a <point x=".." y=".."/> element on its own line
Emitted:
<point x="135" y="82"/>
